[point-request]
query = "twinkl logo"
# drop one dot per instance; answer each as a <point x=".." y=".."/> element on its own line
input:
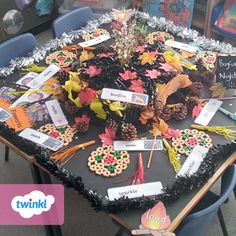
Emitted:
<point x="34" y="203"/>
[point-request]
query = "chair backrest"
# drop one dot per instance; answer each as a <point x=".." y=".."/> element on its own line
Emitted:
<point x="18" y="46"/>
<point x="197" y="223"/>
<point x="73" y="20"/>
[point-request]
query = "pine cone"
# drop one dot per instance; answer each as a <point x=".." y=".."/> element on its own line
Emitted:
<point x="179" y="112"/>
<point x="191" y="102"/>
<point x="70" y="107"/>
<point x="128" y="131"/>
<point x="166" y="113"/>
<point x="158" y="105"/>
<point x="63" y="77"/>
<point x="195" y="89"/>
<point x="111" y="124"/>
<point x="82" y="127"/>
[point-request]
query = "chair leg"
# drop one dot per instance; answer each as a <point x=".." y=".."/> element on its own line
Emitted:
<point x="119" y="232"/>
<point x="222" y="222"/>
<point x="235" y="192"/>
<point x="6" y="153"/>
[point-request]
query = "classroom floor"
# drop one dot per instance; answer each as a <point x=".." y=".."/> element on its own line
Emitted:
<point x="80" y="218"/>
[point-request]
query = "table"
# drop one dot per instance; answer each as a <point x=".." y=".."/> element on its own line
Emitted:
<point x="70" y="173"/>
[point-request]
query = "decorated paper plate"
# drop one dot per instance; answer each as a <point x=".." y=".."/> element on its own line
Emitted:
<point x="158" y="36"/>
<point x="64" y="133"/>
<point x="107" y="162"/>
<point x="188" y="139"/>
<point x="94" y="34"/>
<point x="208" y="59"/>
<point x="60" y="58"/>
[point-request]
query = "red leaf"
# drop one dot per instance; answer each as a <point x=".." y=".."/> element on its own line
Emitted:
<point x="196" y="110"/>
<point x="93" y="70"/>
<point x="140" y="48"/>
<point x="87" y="96"/>
<point x="105" y="55"/>
<point x="166" y="67"/>
<point x="127" y="75"/>
<point x="153" y="74"/>
<point x="137" y="86"/>
<point x="171" y="133"/>
<point x="108" y="137"/>
<point x="84" y="118"/>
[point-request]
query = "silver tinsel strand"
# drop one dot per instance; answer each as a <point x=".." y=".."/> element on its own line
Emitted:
<point x="159" y="23"/>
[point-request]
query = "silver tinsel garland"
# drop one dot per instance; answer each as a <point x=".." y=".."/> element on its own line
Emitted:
<point x="160" y="23"/>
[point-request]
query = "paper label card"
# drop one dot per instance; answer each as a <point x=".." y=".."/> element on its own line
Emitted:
<point x="193" y="161"/>
<point x="226" y="70"/>
<point x="208" y="112"/>
<point x="43" y="76"/>
<point x="134" y="191"/>
<point x="56" y="113"/>
<point x="95" y="41"/>
<point x="4" y="115"/>
<point x="27" y="78"/>
<point x="41" y="139"/>
<point x="138" y="145"/>
<point x="125" y="96"/>
<point x="182" y="46"/>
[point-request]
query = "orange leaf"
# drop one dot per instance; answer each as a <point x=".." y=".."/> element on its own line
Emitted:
<point x="85" y="55"/>
<point x="163" y="126"/>
<point x="145" y="116"/>
<point x="155" y="131"/>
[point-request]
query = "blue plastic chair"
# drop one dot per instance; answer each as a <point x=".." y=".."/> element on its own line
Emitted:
<point x="197" y="223"/>
<point x="73" y="20"/>
<point x="18" y="46"/>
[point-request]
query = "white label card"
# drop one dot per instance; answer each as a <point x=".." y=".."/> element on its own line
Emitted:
<point x="43" y="76"/>
<point x="27" y="78"/>
<point x="56" y="113"/>
<point x="95" y="41"/>
<point x="182" y="46"/>
<point x="193" y="161"/>
<point x="208" y="112"/>
<point x="42" y="139"/>
<point x="4" y="115"/>
<point x="138" y="145"/>
<point x="133" y="191"/>
<point x="125" y="96"/>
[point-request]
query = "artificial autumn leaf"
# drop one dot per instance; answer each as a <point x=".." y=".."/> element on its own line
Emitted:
<point x="136" y="86"/>
<point x="87" y="96"/>
<point x="163" y="126"/>
<point x="97" y="107"/>
<point x="140" y="48"/>
<point x="153" y="74"/>
<point x="171" y="133"/>
<point x="147" y="57"/>
<point x="218" y="90"/>
<point x="155" y="130"/>
<point x="128" y="75"/>
<point x="85" y="55"/>
<point x="166" y="67"/>
<point x="145" y="116"/>
<point x="173" y="60"/>
<point x="83" y="118"/>
<point x="108" y="137"/>
<point x="117" y="107"/>
<point x="105" y="55"/>
<point x="94" y="70"/>
<point x="196" y="110"/>
<point x="187" y="54"/>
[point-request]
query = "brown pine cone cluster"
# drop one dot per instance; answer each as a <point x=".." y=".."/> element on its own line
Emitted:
<point x="111" y="124"/>
<point x="70" y="107"/>
<point x="128" y="131"/>
<point x="191" y="102"/>
<point x="195" y="89"/>
<point x="82" y="127"/>
<point x="164" y="114"/>
<point x="179" y="112"/>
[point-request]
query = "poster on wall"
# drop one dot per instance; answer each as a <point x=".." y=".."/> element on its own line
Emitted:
<point x="178" y="11"/>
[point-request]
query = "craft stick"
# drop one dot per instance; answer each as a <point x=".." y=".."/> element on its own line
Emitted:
<point x="140" y="231"/>
<point x="31" y="91"/>
<point x="151" y="153"/>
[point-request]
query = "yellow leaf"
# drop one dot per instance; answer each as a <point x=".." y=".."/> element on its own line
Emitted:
<point x="187" y="54"/>
<point x="218" y="90"/>
<point x="147" y="57"/>
<point x="74" y="76"/>
<point x="155" y="130"/>
<point x="163" y="126"/>
<point x="173" y="60"/>
<point x="159" y="86"/>
<point x="85" y="55"/>
<point x="117" y="107"/>
<point x="96" y="106"/>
